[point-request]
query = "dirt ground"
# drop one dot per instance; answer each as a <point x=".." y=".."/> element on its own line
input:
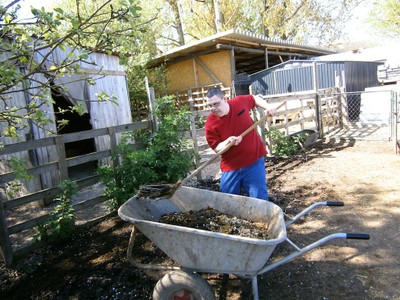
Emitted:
<point x="363" y="174"/>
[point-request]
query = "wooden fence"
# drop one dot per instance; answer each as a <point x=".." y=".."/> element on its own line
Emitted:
<point x="11" y="221"/>
<point x="308" y="110"/>
<point x="320" y="111"/>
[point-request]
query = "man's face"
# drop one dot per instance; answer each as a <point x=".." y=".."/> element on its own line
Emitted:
<point x="218" y="106"/>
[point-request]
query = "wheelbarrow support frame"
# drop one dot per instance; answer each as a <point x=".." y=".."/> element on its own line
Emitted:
<point x="301" y="251"/>
<point x="200" y="251"/>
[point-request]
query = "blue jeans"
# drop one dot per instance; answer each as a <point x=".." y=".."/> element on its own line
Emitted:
<point x="252" y="179"/>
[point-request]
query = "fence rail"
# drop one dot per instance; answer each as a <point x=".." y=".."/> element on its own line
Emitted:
<point x="9" y="207"/>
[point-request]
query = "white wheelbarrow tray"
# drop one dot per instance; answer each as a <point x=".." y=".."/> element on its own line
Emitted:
<point x="212" y="252"/>
<point x="207" y="251"/>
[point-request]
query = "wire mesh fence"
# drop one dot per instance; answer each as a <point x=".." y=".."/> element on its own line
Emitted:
<point x="368" y="115"/>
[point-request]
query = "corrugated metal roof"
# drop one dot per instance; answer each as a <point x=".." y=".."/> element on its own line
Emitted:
<point x="237" y="38"/>
<point x="263" y="40"/>
<point x="388" y="53"/>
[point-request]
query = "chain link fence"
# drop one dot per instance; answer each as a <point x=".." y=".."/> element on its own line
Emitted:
<point x="368" y="115"/>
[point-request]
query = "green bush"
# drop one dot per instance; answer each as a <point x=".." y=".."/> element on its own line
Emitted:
<point x="165" y="158"/>
<point x="284" y="145"/>
<point x="61" y="221"/>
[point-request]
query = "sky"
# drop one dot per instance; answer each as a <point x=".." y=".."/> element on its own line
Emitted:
<point x="358" y="28"/>
<point x="26" y="5"/>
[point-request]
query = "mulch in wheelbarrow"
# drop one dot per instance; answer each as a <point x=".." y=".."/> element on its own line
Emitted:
<point x="213" y="220"/>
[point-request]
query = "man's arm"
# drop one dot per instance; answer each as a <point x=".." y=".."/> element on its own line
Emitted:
<point x="261" y="103"/>
<point x="223" y="146"/>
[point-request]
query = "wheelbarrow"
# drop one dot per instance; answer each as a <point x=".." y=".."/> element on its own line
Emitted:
<point x="199" y="251"/>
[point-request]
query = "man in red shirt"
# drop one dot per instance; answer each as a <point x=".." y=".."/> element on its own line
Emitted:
<point x="243" y="164"/>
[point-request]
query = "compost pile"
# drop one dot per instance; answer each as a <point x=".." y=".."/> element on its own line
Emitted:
<point x="210" y="219"/>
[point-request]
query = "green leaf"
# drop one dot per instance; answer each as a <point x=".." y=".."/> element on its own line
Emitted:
<point x="59" y="10"/>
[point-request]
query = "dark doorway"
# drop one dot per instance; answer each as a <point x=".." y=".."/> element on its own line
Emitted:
<point x="75" y="123"/>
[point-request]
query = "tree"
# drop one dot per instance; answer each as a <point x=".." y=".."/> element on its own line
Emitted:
<point x="178" y="23"/>
<point x="385" y="17"/>
<point x="27" y="47"/>
<point x="303" y="21"/>
<point x="30" y="70"/>
<point x="306" y="21"/>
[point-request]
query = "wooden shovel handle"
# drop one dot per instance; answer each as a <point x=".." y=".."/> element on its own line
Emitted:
<point x="263" y="119"/>
<point x="228" y="146"/>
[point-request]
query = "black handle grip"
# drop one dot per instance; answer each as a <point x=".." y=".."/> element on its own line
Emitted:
<point x="334" y="203"/>
<point x="357" y="236"/>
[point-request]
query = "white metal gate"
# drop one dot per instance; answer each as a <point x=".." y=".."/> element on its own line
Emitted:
<point x="395" y="126"/>
<point x="370" y="115"/>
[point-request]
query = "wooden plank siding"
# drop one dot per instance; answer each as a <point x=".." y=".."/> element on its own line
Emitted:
<point x="109" y="77"/>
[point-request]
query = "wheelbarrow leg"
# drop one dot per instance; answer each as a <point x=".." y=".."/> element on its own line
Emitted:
<point x="139" y="265"/>
<point x="254" y="285"/>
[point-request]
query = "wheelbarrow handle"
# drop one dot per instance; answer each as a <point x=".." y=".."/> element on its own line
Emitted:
<point x="334" y="203"/>
<point x="311" y="207"/>
<point x="357" y="236"/>
<point x="301" y="251"/>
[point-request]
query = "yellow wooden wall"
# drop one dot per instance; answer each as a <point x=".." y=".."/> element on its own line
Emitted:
<point x="182" y="75"/>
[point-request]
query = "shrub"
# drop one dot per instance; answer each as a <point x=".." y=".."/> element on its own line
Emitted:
<point x="284" y="145"/>
<point x="165" y="158"/>
<point x="60" y="223"/>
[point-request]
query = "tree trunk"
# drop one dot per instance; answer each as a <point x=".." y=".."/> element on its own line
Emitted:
<point x="219" y="17"/>
<point x="177" y="19"/>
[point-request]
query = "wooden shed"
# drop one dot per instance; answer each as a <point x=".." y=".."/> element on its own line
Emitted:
<point x="227" y="59"/>
<point x="108" y="77"/>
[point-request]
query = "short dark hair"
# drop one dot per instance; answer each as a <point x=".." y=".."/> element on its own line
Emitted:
<point x="215" y="92"/>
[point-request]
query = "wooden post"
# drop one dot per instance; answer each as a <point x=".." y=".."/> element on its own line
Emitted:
<point x="61" y="158"/>
<point x="339" y="107"/>
<point x="151" y="97"/>
<point x="196" y="77"/>
<point x="233" y="70"/>
<point x="317" y="101"/>
<point x="267" y="137"/>
<point x="266" y="58"/>
<point x="286" y="119"/>
<point x="395" y="117"/>
<point x="5" y="243"/>
<point x="113" y="144"/>
<point x="194" y="136"/>
<point x="345" y="107"/>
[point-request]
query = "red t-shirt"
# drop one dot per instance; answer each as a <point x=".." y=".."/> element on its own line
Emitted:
<point x="217" y="129"/>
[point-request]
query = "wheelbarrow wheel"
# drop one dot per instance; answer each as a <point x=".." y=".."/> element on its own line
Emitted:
<point x="180" y="285"/>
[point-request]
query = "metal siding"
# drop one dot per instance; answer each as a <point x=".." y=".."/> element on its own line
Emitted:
<point x="263" y="84"/>
<point x="296" y="76"/>
<point x="360" y="75"/>
<point x="326" y="73"/>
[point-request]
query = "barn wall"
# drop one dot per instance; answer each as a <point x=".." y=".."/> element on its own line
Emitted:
<point x="181" y="75"/>
<point x="18" y="99"/>
<point x="106" y="114"/>
<point x="110" y="78"/>
<point x="44" y="155"/>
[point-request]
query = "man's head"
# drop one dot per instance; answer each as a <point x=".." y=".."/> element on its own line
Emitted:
<point x="216" y="102"/>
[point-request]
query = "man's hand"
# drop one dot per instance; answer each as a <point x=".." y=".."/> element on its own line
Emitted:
<point x="228" y="143"/>
<point x="235" y="140"/>
<point x="271" y="112"/>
